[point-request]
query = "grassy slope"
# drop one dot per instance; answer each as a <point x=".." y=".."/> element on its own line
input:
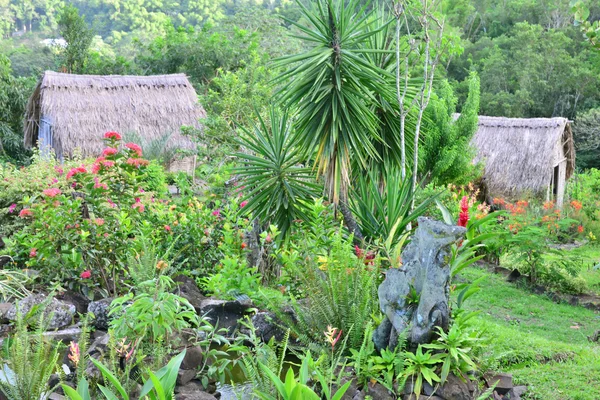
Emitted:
<point x="535" y="340"/>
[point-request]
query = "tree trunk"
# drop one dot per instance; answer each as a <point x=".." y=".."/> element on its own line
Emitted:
<point x="350" y="222"/>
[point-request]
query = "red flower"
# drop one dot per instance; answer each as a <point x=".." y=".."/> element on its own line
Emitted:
<point x="86" y="274"/>
<point x="33" y="252"/>
<point x="463" y="217"/>
<point x="167" y="228"/>
<point x="268" y="238"/>
<point x="112" y="135"/>
<point x="99" y="221"/>
<point x="26" y="212"/>
<point x="52" y="192"/>
<point x="358" y="251"/>
<point x="244" y="245"/>
<point x="75" y="171"/>
<point x="139" y="206"/>
<point x="134" y="148"/>
<point x="99" y="185"/>
<point x="12" y="207"/>
<point x="216" y="213"/>
<point x="109" y="151"/>
<point x="243" y="204"/>
<point x="137" y="162"/>
<point x="580" y="229"/>
<point x="576" y="205"/>
<point x="59" y="170"/>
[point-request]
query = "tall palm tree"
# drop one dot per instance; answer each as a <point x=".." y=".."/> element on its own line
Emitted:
<point x="334" y="88"/>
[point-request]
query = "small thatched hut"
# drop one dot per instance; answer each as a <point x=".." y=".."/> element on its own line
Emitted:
<point x="68" y="112"/>
<point x="525" y="156"/>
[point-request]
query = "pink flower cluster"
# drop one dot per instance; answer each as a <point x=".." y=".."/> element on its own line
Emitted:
<point x="134" y="148"/>
<point x="75" y="171"/>
<point x="112" y="135"/>
<point x="52" y="192"/>
<point x="137" y="162"/>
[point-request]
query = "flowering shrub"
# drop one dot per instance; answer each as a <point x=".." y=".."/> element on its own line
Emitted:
<point x="17" y="183"/>
<point x="79" y="230"/>
<point x="530" y="234"/>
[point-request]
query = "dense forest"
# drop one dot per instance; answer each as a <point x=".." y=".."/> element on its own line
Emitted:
<point x="531" y="57"/>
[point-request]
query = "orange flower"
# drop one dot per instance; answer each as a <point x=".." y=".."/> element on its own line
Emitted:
<point x="580" y="229"/>
<point x="549" y="205"/>
<point x="576" y="205"/>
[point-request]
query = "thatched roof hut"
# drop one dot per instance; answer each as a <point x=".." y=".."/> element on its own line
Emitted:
<point x="68" y="112"/>
<point x="525" y="156"/>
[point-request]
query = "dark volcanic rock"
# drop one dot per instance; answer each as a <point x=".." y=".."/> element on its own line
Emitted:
<point x="224" y="313"/>
<point x="100" y="309"/>
<point x="187" y="288"/>
<point x="60" y="314"/>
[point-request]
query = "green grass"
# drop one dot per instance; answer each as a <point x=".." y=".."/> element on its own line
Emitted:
<point x="542" y="343"/>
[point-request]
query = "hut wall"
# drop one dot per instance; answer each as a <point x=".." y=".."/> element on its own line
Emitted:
<point x="560" y="161"/>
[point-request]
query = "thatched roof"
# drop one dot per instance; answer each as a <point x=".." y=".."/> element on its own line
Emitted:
<point x="81" y="108"/>
<point x="520" y="154"/>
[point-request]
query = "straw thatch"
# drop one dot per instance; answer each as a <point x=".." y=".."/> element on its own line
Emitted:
<point x="520" y="154"/>
<point x="82" y="108"/>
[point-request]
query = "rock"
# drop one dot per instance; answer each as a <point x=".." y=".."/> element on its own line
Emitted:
<point x="268" y="326"/>
<point x="421" y="397"/>
<point x="224" y="313"/>
<point x="60" y="314"/>
<point x="99" y="346"/>
<point x="415" y="297"/>
<point x="378" y="391"/>
<point x="100" y="309"/>
<point x="516" y="392"/>
<point x="193" y="358"/>
<point x="426" y="388"/>
<point x="4" y="309"/>
<point x="187" y="288"/>
<point x="70" y="334"/>
<point x="514" y="276"/>
<point x="193" y="390"/>
<point x="454" y="389"/>
<point x="503" y="382"/>
<point x="56" y="396"/>
<point x="185" y="375"/>
<point x="77" y="299"/>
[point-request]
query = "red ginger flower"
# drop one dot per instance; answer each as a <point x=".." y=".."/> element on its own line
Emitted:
<point x="74" y="354"/>
<point x="134" y="148"/>
<point x="463" y="217"/>
<point x="112" y="135"/>
<point x="52" y="192"/>
<point x="580" y="229"/>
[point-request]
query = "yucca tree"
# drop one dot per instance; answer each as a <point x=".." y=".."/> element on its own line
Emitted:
<point x="333" y="88"/>
<point x="278" y="184"/>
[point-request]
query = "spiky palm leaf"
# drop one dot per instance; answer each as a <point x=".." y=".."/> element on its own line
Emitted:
<point x="384" y="214"/>
<point x="333" y="86"/>
<point x="278" y="185"/>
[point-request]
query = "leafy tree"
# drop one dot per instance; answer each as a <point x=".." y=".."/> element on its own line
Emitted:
<point x="586" y="132"/>
<point x="447" y="155"/>
<point x="14" y="93"/>
<point x="78" y="37"/>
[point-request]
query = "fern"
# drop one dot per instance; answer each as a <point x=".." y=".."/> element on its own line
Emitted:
<point x="341" y="292"/>
<point x="30" y="359"/>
